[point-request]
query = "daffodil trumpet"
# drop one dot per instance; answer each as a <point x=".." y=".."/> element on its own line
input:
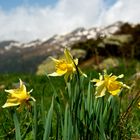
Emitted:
<point x="108" y="83"/>
<point x="67" y="66"/>
<point x="18" y="96"/>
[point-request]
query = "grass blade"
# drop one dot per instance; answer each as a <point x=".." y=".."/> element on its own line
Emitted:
<point x="17" y="127"/>
<point x="48" y="123"/>
<point x="35" y="122"/>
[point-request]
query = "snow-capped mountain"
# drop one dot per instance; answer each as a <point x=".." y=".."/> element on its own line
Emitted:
<point x="36" y="51"/>
<point x="57" y="41"/>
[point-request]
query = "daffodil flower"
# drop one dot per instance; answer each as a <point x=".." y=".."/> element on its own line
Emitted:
<point x="139" y="105"/>
<point x="67" y="66"/>
<point x="18" y="96"/>
<point x="108" y="83"/>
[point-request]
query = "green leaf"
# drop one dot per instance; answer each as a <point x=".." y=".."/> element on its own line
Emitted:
<point x="48" y="122"/>
<point x="35" y="122"/>
<point x="42" y="108"/>
<point x="68" y="128"/>
<point x="17" y="127"/>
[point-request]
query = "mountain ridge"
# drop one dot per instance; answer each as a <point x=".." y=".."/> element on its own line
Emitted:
<point x="25" y="57"/>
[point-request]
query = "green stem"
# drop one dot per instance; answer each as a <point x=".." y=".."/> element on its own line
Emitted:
<point x="136" y="98"/>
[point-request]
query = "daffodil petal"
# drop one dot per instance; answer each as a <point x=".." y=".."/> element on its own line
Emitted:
<point x="76" y="61"/>
<point x="11" y="91"/>
<point x="55" y="60"/>
<point x="33" y="99"/>
<point x="139" y="105"/>
<point x="99" y="83"/>
<point x="68" y="56"/>
<point x="21" y="83"/>
<point x="125" y="86"/>
<point x="100" y="91"/>
<point x="55" y="74"/>
<point x="61" y="72"/>
<point x="100" y="76"/>
<point x="115" y="92"/>
<point x="121" y="76"/>
<point x="9" y="104"/>
<point x="95" y="80"/>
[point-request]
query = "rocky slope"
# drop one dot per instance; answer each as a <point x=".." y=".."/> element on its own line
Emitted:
<point x="25" y="57"/>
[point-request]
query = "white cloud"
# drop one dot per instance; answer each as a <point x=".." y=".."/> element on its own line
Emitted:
<point x="123" y="10"/>
<point x="29" y="23"/>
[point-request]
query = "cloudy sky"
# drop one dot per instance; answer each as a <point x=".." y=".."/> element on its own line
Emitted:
<point x="26" y="20"/>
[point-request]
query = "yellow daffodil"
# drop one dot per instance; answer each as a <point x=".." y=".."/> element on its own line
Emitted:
<point x="108" y="83"/>
<point x="66" y="66"/>
<point x="18" y="96"/>
<point x="139" y="105"/>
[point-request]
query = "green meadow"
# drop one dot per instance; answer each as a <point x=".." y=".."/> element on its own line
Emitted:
<point x="53" y="114"/>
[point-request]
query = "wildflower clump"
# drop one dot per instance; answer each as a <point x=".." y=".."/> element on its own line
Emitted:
<point x="67" y="66"/>
<point x="108" y="83"/>
<point x="18" y="96"/>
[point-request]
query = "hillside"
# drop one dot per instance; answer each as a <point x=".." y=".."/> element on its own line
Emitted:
<point x="119" y="39"/>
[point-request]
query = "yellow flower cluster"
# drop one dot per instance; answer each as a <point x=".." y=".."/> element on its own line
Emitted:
<point x="66" y="66"/>
<point x="18" y="96"/>
<point x="108" y="83"/>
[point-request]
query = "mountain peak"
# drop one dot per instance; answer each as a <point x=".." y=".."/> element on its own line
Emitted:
<point x="36" y="51"/>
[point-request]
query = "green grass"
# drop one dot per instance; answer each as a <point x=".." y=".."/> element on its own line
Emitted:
<point x="39" y="84"/>
<point x="41" y="87"/>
